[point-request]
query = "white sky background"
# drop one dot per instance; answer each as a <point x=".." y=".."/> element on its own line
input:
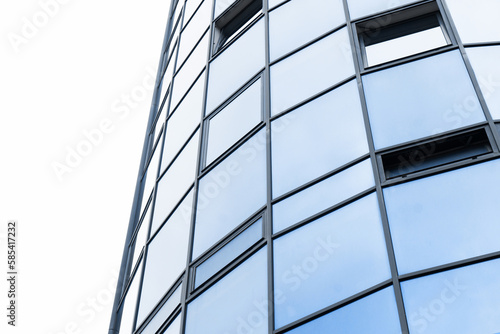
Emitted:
<point x="64" y="80"/>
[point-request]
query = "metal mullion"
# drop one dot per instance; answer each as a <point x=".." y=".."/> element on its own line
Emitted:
<point x="482" y="101"/>
<point x="385" y="222"/>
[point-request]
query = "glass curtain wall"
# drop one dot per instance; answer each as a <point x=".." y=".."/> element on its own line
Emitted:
<point x="320" y="166"/>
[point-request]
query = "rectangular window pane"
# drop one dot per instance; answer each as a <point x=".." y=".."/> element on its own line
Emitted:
<point x="193" y="31"/>
<point x="359" y="8"/>
<point x="164" y="312"/>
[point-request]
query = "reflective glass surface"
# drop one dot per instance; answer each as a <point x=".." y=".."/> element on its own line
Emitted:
<point x="461" y="301"/>
<point x="127" y="321"/>
<point x="222" y="5"/>
<point x="164" y="312"/>
<point x="167" y="76"/>
<point x="142" y="235"/>
<point x="434" y="93"/>
<point x="152" y="172"/>
<point x="166" y="257"/>
<point x="455" y="215"/>
<point x="176" y="181"/>
<point x="228" y="253"/>
<point x="235" y="304"/>
<point x="286" y="35"/>
<point x="323" y="195"/>
<point x="230" y="193"/>
<point x="317" y="138"/>
<point x="236" y="65"/>
<point x="486" y="66"/>
<point x="234" y="121"/>
<point x="328" y="260"/>
<point x="475" y="20"/>
<point x="359" y="8"/>
<point x="296" y="78"/>
<point x="190" y="70"/>
<point x="193" y="31"/>
<point x="183" y="122"/>
<point x="174" y="327"/>
<point x="375" y="314"/>
<point x="274" y="3"/>
<point x="191" y="6"/>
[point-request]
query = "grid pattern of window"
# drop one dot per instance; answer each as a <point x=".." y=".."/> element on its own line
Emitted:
<point x="319" y="165"/>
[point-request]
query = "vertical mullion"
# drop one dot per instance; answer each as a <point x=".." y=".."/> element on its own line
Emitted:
<point x="358" y="65"/>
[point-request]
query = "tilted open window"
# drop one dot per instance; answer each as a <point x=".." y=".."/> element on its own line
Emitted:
<point x="401" y="34"/>
<point x="234" y="20"/>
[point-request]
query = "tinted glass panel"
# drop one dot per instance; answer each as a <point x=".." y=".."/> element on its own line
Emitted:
<point x="286" y="35"/>
<point x="191" y="6"/>
<point x="375" y="314"/>
<point x="193" y="31"/>
<point x="229" y="252"/>
<point x="236" y="65"/>
<point x="174" y="327"/>
<point x="328" y="260"/>
<point x="130" y="302"/>
<point x="323" y="195"/>
<point x="236" y="304"/>
<point x="164" y="312"/>
<point x="436" y="93"/>
<point x="166" y="257"/>
<point x="222" y="5"/>
<point x="359" y="8"/>
<point x="273" y="3"/>
<point x="234" y="121"/>
<point x="462" y="301"/>
<point x="230" y="193"/>
<point x="183" y="122"/>
<point x="142" y="235"/>
<point x="455" y="215"/>
<point x="152" y="172"/>
<point x="487" y="69"/>
<point x="475" y="19"/>
<point x="310" y="71"/>
<point x="317" y="138"/>
<point x="176" y="181"/>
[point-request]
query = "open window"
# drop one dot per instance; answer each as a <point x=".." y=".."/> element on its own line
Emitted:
<point x="401" y="34"/>
<point x="234" y="20"/>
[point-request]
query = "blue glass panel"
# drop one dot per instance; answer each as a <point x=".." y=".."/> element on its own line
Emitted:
<point x="236" y="65"/>
<point x="228" y="253"/>
<point x="486" y="66"/>
<point x="317" y="138"/>
<point x="222" y="5"/>
<point x="164" y="312"/>
<point x="285" y="34"/>
<point x="236" y="304"/>
<point x="434" y="93"/>
<point x="375" y="314"/>
<point x="231" y="193"/>
<point x="323" y="195"/>
<point x="329" y="260"/>
<point x="174" y="327"/>
<point x="166" y="257"/>
<point x="455" y="215"/>
<point x="193" y="31"/>
<point x="359" y="8"/>
<point x="310" y="71"/>
<point x="461" y="301"/>
<point x="130" y="302"/>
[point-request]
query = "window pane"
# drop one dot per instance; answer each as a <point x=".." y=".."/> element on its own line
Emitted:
<point x="405" y="46"/>
<point x="285" y="34"/>
<point x="487" y="68"/>
<point x="436" y="93"/>
<point x="236" y="304"/>
<point x="375" y="314"/>
<point x="191" y="6"/>
<point x="359" y="8"/>
<point x="176" y="181"/>
<point x="323" y="195"/>
<point x="166" y="257"/>
<point x="183" y="122"/>
<point x="476" y="20"/>
<point x="310" y="71"/>
<point x="190" y="70"/>
<point x="455" y="215"/>
<point x="152" y="172"/>
<point x="174" y="327"/>
<point x="142" y="235"/>
<point x="274" y="3"/>
<point x="317" y="138"/>
<point x="167" y="77"/>
<point x="230" y="193"/>
<point x="234" y="121"/>
<point x="164" y="312"/>
<point x="193" y="31"/>
<point x="461" y="301"/>
<point x="222" y="5"/>
<point x="236" y="65"/>
<point x="130" y="303"/>
<point x="228" y="253"/>
<point x="329" y="260"/>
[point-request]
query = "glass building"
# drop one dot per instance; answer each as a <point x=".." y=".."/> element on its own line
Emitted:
<point x="319" y="166"/>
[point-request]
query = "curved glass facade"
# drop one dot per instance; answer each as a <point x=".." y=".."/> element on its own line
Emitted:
<point x="319" y="166"/>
